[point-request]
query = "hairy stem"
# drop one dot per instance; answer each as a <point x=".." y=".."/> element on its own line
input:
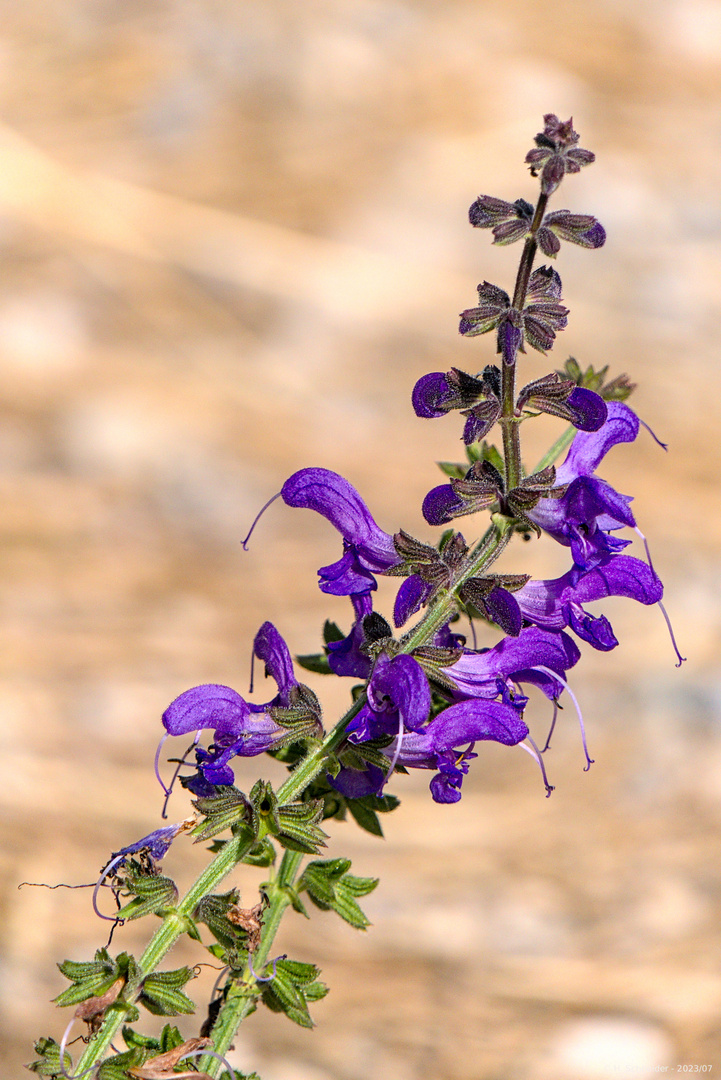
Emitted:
<point x="508" y="420"/>
<point x="242" y="994"/>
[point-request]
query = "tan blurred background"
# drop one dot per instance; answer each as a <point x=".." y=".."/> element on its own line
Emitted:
<point x="233" y="236"/>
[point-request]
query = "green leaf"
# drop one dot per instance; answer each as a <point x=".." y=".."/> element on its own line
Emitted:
<point x="92" y="978"/>
<point x="152" y="894"/>
<point x="331" y="887"/>
<point x="455" y="470"/>
<point x="227" y="808"/>
<point x="332" y="632"/>
<point x="317" y="662"/>
<point x="161" y="993"/>
<point x="49" y="1065"/>
<point x="298" y="826"/>
<point x="116" y="1067"/>
<point x="294" y="985"/>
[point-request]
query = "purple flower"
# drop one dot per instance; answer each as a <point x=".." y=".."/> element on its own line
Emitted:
<point x="239" y="729"/>
<point x="513" y="660"/>
<point x="590" y="509"/>
<point x="156" y="843"/>
<point x="345" y="657"/>
<point x="399" y="699"/>
<point x="367" y="549"/>
<point x="554" y="605"/>
<point x="438" y="746"/>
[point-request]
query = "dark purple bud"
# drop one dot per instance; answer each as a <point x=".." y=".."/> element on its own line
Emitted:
<point x="411" y="596"/>
<point x="503" y="608"/>
<point x="441" y="505"/>
<point x="430" y="395"/>
<point x="590" y="410"/>
<point x="510" y="338"/>
<point x="582" y="229"/>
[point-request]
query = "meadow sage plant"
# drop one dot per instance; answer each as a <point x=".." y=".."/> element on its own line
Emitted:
<point x="421" y="696"/>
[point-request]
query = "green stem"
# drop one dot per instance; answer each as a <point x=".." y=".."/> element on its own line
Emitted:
<point x="508" y="419"/>
<point x="243" y="993"/>
<point x="172" y="927"/>
<point x="552" y="455"/>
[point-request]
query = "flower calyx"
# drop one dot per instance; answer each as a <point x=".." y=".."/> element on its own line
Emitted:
<point x="617" y="389"/>
<point x="561" y="397"/>
<point x="512" y="221"/>
<point x="556" y="153"/>
<point x="492" y="598"/>
<point x="542" y="316"/>
<point x="529" y="492"/>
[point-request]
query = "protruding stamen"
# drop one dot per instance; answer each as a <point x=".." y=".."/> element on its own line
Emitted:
<point x="99" y="884"/>
<point x="555" y="675"/>
<point x="681" y="659"/>
<point x="63" y="1070"/>
<point x="536" y="755"/>
<point x="663" y="445"/>
<point x="258" y="516"/>
<point x="266" y="978"/>
<point x="397" y="753"/>
<point x="180" y="762"/>
<point x="556" y="707"/>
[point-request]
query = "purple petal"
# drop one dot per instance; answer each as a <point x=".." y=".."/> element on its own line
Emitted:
<point x="589" y="448"/>
<point x="345" y="657"/>
<point x="403" y="683"/>
<point x="156" y="843"/>
<point x="597" y="631"/>
<point x="270" y="647"/>
<point x="347" y="577"/>
<point x="338" y="501"/>
<point x="355" y="784"/>
<point x="206" y="706"/>
<point x="476" y="720"/>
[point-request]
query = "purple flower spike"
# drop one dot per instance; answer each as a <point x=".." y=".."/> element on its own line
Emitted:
<point x="368" y="549"/>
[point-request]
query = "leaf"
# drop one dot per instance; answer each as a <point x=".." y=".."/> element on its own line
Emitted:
<point x="161" y="993"/>
<point x="292" y="987"/>
<point x="331" y="887"/>
<point x="49" y="1064"/>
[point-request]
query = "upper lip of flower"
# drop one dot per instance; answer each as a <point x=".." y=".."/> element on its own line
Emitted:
<point x="368" y="550"/>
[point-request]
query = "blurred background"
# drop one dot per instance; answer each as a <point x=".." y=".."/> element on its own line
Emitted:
<point x="233" y="236"/>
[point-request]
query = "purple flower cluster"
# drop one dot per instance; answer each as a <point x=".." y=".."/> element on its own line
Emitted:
<point x="426" y="706"/>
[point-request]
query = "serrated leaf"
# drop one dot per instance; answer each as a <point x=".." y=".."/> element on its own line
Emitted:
<point x="116" y="1067"/>
<point x="455" y="470"/>
<point x="153" y="895"/>
<point x="332" y="632"/>
<point x="161" y="993"/>
<point x="49" y="1065"/>
<point x="229" y="807"/>
<point x="331" y="887"/>
<point x="293" y="986"/>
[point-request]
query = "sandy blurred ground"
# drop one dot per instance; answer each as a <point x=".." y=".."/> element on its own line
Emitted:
<point x="234" y="234"/>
